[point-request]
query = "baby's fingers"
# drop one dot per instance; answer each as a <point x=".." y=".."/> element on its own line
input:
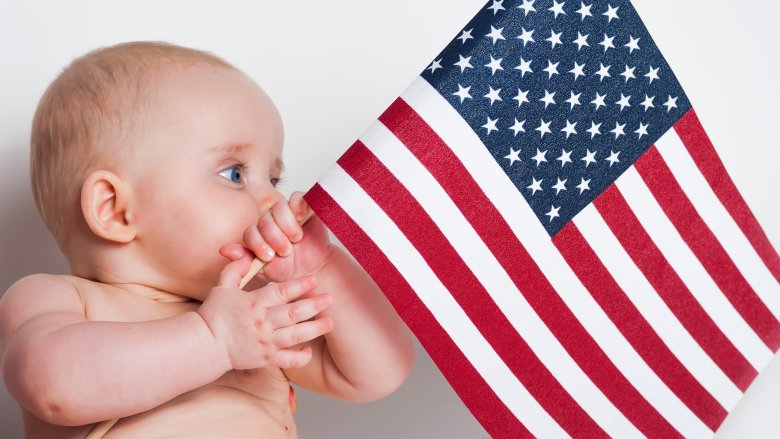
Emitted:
<point x="292" y="313"/>
<point x="299" y="207"/>
<point x="285" y="218"/>
<point x="283" y="292"/>
<point x="233" y="272"/>
<point x="291" y="358"/>
<point x="303" y="332"/>
<point x="273" y="235"/>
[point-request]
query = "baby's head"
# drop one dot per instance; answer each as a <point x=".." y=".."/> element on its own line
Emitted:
<point x="153" y="156"/>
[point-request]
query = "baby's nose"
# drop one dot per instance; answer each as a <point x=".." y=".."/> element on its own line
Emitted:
<point x="267" y="199"/>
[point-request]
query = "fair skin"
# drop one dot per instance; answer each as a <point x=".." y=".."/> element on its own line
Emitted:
<point x="152" y="327"/>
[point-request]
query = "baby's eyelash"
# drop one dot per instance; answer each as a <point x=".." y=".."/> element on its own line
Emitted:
<point x="276" y="181"/>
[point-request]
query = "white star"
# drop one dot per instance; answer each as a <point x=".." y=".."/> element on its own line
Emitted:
<point x="494" y="64"/>
<point x="574" y="99"/>
<point x="539" y="157"/>
<point x="497" y="6"/>
<point x="594" y="130"/>
<point x="555" y="38"/>
<point x="551" y="69"/>
<point x="435" y="65"/>
<point x="642" y="130"/>
<point x="628" y="73"/>
<point x="493" y="95"/>
<point x="599" y="100"/>
<point x="607" y="43"/>
<point x="518" y="127"/>
<point x="553" y="213"/>
<point x="490" y="125"/>
<point x="577" y="70"/>
<point x="670" y="103"/>
<point x="584" y="185"/>
<point x="527" y="7"/>
<point x="611" y="13"/>
<point x="623" y="102"/>
<point x="463" y="93"/>
<point x="613" y="158"/>
<point x="522" y="96"/>
<point x="495" y="34"/>
<point x="536" y="185"/>
<point x="633" y="44"/>
<point x="560" y="186"/>
<point x="513" y="156"/>
<point x="524" y="67"/>
<point x="590" y="157"/>
<point x="569" y="128"/>
<point x="648" y="103"/>
<point x="543" y="128"/>
<point x="548" y="99"/>
<point x="618" y="130"/>
<point x="585" y="11"/>
<point x="557" y="8"/>
<point x="565" y="157"/>
<point x="527" y="37"/>
<point x="603" y="72"/>
<point x="652" y="74"/>
<point x="466" y="35"/>
<point x="464" y="63"/>
<point x="581" y="41"/>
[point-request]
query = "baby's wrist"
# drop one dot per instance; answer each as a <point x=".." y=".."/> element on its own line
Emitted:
<point x="214" y="346"/>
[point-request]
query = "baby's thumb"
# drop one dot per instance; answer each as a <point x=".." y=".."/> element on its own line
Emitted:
<point x="233" y="272"/>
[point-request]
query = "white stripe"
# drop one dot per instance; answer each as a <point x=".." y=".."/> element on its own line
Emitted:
<point x="719" y="221"/>
<point x="638" y="289"/>
<point x="402" y="254"/>
<point x="472" y="250"/>
<point x="691" y="271"/>
<point x="472" y="153"/>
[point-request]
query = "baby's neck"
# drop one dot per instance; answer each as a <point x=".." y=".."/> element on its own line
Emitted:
<point x="151" y="293"/>
<point x="112" y="268"/>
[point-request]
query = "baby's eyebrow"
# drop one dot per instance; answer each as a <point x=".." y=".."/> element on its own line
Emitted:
<point x="233" y="147"/>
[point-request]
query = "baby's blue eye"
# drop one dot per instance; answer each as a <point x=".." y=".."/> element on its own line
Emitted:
<point x="233" y="173"/>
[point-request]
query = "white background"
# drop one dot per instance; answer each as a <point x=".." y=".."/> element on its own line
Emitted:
<point x="332" y="67"/>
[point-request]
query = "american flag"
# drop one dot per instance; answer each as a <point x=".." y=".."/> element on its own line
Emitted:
<point x="546" y="213"/>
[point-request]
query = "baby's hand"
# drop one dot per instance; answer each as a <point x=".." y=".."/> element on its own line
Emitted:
<point x="289" y="249"/>
<point x="257" y="328"/>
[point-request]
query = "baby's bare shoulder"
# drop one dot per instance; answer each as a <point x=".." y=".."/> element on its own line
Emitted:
<point x="38" y="295"/>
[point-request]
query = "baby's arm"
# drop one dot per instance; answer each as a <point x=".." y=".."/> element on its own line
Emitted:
<point x="70" y="371"/>
<point x="369" y="352"/>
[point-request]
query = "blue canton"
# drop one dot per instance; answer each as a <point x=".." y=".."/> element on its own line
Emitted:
<point x="565" y="95"/>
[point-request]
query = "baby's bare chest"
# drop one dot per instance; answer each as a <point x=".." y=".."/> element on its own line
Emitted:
<point x="251" y="402"/>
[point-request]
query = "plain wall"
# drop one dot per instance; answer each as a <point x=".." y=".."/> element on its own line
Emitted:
<point x="331" y="68"/>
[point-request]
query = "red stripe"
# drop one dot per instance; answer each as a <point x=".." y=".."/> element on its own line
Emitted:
<point x="486" y="407"/>
<point x="466" y="289"/>
<point x="613" y="300"/>
<point x="705" y="246"/>
<point x="667" y="283"/>
<point x="434" y="154"/>
<point x="700" y="148"/>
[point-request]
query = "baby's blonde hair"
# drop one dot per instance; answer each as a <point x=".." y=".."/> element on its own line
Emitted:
<point x="85" y="118"/>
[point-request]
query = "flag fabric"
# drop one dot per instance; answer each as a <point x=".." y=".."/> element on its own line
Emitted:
<point x="544" y="210"/>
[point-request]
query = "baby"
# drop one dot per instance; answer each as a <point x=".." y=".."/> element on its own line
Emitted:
<point x="155" y="168"/>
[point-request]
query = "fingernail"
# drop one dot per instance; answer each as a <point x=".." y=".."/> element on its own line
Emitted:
<point x="266" y="253"/>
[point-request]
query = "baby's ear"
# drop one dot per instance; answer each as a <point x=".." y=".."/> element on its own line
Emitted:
<point x="105" y="205"/>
